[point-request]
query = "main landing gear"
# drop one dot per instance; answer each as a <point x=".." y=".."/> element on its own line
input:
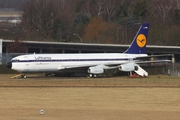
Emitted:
<point x="92" y="75"/>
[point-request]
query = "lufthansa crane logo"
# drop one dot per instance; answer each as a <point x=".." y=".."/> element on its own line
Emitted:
<point x="141" y="40"/>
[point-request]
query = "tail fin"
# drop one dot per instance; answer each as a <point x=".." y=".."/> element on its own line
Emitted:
<point x="138" y="45"/>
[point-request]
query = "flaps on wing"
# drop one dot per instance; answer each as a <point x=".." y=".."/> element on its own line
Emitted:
<point x="63" y="67"/>
<point x="66" y="67"/>
<point x="164" y="58"/>
<point x="156" y="56"/>
<point x="153" y="61"/>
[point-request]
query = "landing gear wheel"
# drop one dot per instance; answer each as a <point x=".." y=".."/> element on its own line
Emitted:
<point x="92" y="75"/>
<point x="23" y="76"/>
<point x="46" y="74"/>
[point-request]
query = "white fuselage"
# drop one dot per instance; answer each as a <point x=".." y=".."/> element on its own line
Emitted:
<point x="58" y="62"/>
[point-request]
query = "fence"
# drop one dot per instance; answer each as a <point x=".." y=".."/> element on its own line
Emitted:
<point x="172" y="69"/>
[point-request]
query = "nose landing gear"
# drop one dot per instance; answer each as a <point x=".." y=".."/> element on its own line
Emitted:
<point x="23" y="76"/>
<point x="19" y="76"/>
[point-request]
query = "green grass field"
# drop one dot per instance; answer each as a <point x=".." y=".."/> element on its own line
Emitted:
<point x="40" y="80"/>
<point x="79" y="98"/>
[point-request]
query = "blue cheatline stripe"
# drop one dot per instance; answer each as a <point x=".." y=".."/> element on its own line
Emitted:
<point x="72" y="60"/>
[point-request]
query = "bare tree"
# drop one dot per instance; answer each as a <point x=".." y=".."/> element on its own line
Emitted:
<point x="163" y="7"/>
<point x="95" y="8"/>
<point x="61" y="4"/>
<point x="16" y="46"/>
<point x="99" y="8"/>
<point x="86" y="8"/>
<point x="178" y="4"/>
<point x="110" y="8"/>
<point x="39" y="16"/>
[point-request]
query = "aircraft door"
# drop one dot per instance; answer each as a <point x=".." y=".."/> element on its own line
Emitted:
<point x="26" y="65"/>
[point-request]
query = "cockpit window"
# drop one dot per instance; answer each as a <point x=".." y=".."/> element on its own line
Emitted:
<point x="15" y="60"/>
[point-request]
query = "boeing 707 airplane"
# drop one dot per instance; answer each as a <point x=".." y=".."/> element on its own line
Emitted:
<point x="92" y="63"/>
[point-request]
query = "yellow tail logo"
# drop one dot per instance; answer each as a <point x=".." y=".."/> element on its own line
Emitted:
<point x="141" y="40"/>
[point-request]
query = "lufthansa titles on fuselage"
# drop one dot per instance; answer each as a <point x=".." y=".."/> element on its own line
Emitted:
<point x="42" y="58"/>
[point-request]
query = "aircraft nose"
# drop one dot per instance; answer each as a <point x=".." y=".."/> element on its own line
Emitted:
<point x="9" y="65"/>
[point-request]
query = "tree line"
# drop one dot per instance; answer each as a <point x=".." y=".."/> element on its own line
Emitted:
<point x="98" y="21"/>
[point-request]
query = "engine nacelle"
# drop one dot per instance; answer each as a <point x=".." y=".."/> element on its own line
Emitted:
<point x="95" y="70"/>
<point x="128" y="67"/>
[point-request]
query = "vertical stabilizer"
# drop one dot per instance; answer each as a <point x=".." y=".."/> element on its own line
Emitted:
<point x="138" y="45"/>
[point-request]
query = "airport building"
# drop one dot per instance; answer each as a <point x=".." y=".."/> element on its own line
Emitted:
<point x="62" y="47"/>
<point x="10" y="16"/>
<point x="35" y="47"/>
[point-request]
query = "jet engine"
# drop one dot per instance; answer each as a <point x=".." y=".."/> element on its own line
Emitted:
<point x="128" y="67"/>
<point x="95" y="70"/>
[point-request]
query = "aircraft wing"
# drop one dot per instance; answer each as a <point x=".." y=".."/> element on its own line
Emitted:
<point x="73" y="66"/>
<point x="109" y="66"/>
<point x="153" y="61"/>
<point x="162" y="55"/>
<point x="128" y="66"/>
<point x="156" y="57"/>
